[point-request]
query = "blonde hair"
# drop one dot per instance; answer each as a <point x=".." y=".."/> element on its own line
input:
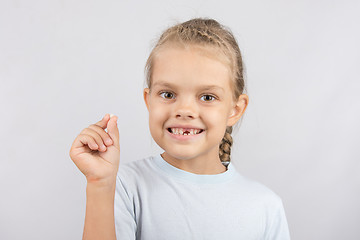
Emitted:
<point x="206" y="33"/>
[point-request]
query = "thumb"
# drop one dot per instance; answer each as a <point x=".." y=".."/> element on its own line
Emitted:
<point x="113" y="130"/>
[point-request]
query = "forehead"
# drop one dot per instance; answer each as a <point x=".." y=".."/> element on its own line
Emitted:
<point x="190" y="66"/>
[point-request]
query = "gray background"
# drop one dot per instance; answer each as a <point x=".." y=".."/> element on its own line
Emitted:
<point x="64" y="64"/>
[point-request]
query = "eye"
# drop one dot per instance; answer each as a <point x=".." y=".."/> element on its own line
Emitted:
<point x="208" y="98"/>
<point x="167" y="95"/>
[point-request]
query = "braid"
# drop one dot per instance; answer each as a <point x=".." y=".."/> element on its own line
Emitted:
<point x="225" y="145"/>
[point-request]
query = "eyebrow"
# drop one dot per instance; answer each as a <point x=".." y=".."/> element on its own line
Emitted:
<point x="205" y="87"/>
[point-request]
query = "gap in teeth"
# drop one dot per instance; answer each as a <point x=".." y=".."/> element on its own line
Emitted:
<point x="180" y="131"/>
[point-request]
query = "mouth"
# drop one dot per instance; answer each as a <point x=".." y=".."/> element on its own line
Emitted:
<point x="185" y="131"/>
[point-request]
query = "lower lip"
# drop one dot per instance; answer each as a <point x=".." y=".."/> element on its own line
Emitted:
<point x="185" y="137"/>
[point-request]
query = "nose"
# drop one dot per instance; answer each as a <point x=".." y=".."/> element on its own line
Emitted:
<point x="186" y="109"/>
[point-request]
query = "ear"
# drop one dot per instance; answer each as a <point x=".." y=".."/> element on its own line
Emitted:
<point x="238" y="110"/>
<point x="146" y="97"/>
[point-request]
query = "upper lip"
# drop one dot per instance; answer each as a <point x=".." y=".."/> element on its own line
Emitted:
<point x="185" y="126"/>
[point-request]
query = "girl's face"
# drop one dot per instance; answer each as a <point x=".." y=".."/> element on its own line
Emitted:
<point x="191" y="94"/>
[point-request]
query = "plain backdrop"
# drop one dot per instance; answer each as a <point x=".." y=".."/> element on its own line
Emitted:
<point x="65" y="64"/>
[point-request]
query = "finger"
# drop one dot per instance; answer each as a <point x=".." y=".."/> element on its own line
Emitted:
<point x="104" y="135"/>
<point x="99" y="141"/>
<point x="84" y="139"/>
<point x="103" y="122"/>
<point x="113" y="130"/>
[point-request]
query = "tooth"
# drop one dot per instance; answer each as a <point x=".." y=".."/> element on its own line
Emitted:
<point x="181" y="131"/>
<point x="192" y="131"/>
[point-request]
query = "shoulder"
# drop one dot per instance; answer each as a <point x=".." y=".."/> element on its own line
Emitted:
<point x="257" y="191"/>
<point x="270" y="206"/>
<point x="266" y="203"/>
<point x="135" y="167"/>
<point x="137" y="171"/>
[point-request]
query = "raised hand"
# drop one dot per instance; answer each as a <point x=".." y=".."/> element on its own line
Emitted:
<point x="97" y="152"/>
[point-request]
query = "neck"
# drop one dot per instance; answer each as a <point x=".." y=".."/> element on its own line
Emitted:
<point x="198" y="165"/>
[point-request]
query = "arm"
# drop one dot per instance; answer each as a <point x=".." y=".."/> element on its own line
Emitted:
<point x="97" y="155"/>
<point x="99" y="217"/>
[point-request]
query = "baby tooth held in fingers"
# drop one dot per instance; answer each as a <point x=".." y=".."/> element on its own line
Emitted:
<point x="111" y="115"/>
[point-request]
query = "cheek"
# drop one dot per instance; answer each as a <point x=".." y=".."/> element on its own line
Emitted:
<point x="216" y="117"/>
<point x="157" y="115"/>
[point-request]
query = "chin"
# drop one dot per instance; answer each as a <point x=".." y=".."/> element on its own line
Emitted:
<point x="180" y="154"/>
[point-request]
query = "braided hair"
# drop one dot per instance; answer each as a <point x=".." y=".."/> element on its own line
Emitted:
<point x="206" y="33"/>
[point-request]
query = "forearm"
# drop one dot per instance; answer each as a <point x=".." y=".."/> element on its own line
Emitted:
<point x="99" y="217"/>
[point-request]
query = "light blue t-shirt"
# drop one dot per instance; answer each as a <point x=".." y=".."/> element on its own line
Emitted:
<point x="157" y="201"/>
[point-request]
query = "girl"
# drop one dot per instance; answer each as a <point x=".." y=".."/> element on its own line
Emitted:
<point x="194" y="96"/>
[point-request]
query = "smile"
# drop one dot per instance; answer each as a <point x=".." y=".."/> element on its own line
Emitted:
<point x="185" y="131"/>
